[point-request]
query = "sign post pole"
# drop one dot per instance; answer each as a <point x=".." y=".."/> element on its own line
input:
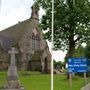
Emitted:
<point x="77" y="65"/>
<point x="85" y="78"/>
<point x="70" y="81"/>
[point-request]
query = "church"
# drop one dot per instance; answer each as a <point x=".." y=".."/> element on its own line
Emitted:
<point x="27" y="38"/>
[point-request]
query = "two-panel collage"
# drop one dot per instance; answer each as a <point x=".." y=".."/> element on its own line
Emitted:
<point x="44" y="44"/>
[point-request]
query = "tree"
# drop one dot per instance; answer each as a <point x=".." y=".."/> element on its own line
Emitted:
<point x="87" y="51"/>
<point x="72" y="23"/>
<point x="79" y="51"/>
<point x="58" y="64"/>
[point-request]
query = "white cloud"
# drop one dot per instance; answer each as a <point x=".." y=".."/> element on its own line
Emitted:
<point x="57" y="55"/>
<point x="41" y="12"/>
<point x="14" y="11"/>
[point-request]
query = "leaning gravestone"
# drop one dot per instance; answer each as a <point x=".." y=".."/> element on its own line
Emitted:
<point x="12" y="78"/>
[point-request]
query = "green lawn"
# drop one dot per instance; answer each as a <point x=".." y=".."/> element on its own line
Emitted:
<point x="38" y="81"/>
<point x="61" y="82"/>
<point x="30" y="80"/>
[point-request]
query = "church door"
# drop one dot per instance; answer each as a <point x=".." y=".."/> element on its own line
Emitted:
<point x="45" y="66"/>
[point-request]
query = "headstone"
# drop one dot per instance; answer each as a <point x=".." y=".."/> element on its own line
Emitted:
<point x="12" y="78"/>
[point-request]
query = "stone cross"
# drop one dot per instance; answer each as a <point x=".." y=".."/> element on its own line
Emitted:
<point x="12" y="70"/>
<point x="12" y="79"/>
<point x="13" y="52"/>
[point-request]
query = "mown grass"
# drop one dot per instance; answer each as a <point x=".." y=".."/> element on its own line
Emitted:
<point x="30" y="80"/>
<point x="38" y="81"/>
<point x="62" y="83"/>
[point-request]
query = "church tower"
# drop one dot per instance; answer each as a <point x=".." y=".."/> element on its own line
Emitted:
<point x="35" y="10"/>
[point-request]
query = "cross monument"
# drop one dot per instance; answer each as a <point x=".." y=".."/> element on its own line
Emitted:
<point x="12" y="70"/>
<point x="12" y="77"/>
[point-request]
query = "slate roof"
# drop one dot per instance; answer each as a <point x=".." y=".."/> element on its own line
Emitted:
<point x="15" y="32"/>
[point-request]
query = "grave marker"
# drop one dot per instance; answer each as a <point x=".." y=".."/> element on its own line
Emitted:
<point x="12" y="78"/>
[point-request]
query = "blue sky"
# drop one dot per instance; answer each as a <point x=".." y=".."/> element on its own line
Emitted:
<point x="18" y="10"/>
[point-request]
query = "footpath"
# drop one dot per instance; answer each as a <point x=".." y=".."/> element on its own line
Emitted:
<point x="86" y="87"/>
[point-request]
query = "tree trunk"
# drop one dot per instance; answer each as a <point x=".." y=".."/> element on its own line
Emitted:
<point x="71" y="48"/>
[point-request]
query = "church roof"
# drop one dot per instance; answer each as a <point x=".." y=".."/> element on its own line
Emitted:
<point x="17" y="30"/>
<point x="12" y="34"/>
<point x="15" y="33"/>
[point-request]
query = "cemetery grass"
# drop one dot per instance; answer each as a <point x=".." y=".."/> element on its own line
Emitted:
<point x="38" y="81"/>
<point x="30" y="80"/>
<point x="62" y="83"/>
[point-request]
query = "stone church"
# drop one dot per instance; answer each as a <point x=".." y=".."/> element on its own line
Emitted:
<point x="27" y="38"/>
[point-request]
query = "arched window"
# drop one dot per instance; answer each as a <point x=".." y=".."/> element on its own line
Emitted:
<point x="37" y="42"/>
<point x="33" y="41"/>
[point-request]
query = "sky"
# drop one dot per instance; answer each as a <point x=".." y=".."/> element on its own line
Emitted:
<point x="15" y="11"/>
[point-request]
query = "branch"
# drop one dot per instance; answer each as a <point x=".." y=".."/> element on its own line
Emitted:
<point x="78" y="38"/>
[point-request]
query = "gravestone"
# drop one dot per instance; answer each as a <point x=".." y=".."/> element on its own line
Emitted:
<point x="12" y="77"/>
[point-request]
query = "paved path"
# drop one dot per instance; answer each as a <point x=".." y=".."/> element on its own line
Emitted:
<point x="86" y="87"/>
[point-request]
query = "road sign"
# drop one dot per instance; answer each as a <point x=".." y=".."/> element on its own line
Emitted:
<point x="88" y="65"/>
<point x="77" y="65"/>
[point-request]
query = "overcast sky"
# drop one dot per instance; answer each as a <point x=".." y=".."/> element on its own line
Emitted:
<point x="13" y="11"/>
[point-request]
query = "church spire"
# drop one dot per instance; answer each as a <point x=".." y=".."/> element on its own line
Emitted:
<point x="35" y="9"/>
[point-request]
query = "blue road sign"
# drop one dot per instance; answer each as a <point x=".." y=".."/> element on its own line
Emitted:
<point x="88" y="65"/>
<point x="77" y="65"/>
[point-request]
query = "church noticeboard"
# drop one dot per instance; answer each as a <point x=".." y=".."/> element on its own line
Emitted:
<point x="77" y="65"/>
<point x="88" y="65"/>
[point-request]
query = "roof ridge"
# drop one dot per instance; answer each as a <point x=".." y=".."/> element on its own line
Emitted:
<point x="19" y="22"/>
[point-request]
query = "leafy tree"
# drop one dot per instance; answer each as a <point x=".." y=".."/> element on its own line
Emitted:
<point x="87" y="51"/>
<point x="79" y="52"/>
<point x="59" y="63"/>
<point x="54" y="63"/>
<point x="72" y="23"/>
